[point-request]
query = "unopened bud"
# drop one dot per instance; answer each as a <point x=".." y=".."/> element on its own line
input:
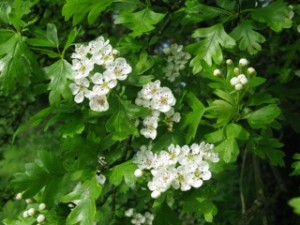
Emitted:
<point x="25" y="214"/>
<point x="217" y="72"/>
<point x="138" y="173"/>
<point x="243" y="62"/>
<point x="229" y="62"/>
<point x="236" y="71"/>
<point x="28" y="200"/>
<point x="40" y="218"/>
<point x="19" y="196"/>
<point x="251" y="70"/>
<point x="155" y="194"/>
<point x="31" y="211"/>
<point x="234" y="81"/>
<point x="42" y="206"/>
<point x="238" y="86"/>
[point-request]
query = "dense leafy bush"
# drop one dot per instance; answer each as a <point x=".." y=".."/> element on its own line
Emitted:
<point x="149" y="112"/>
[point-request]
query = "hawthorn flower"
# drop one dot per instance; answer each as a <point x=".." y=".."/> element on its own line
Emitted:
<point x="98" y="103"/>
<point x="150" y="90"/>
<point x="177" y="59"/>
<point x="88" y="82"/>
<point x="119" y="69"/>
<point x="80" y="89"/>
<point x="182" y="168"/>
<point x="81" y="52"/>
<point x="82" y="68"/>
<point x="103" y="83"/>
<point x="163" y="100"/>
<point x="138" y="219"/>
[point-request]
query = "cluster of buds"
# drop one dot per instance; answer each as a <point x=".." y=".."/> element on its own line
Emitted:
<point x="138" y="218"/>
<point x="177" y="59"/>
<point x="240" y="75"/>
<point x="96" y="70"/>
<point x="182" y="168"/>
<point x="34" y="210"/>
<point x="159" y="100"/>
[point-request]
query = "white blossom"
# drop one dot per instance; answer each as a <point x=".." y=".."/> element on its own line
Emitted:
<point x="80" y="89"/>
<point x="98" y="103"/>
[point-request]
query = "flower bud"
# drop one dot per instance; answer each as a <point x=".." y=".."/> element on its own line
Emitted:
<point x="229" y="62"/>
<point x="234" y="81"/>
<point x="40" y="218"/>
<point x="155" y="194"/>
<point x="236" y="71"/>
<point x="28" y="200"/>
<point x="42" y="206"/>
<point x="25" y="214"/>
<point x="138" y="173"/>
<point x="251" y="70"/>
<point x="243" y="62"/>
<point x="31" y="212"/>
<point x="238" y="86"/>
<point x="19" y="196"/>
<point x="217" y="72"/>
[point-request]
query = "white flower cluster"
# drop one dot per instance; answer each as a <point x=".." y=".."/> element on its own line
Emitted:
<point x="182" y="168"/>
<point x="177" y="59"/>
<point x="138" y="218"/>
<point x="96" y="70"/>
<point x="31" y="212"/>
<point x="159" y="100"/>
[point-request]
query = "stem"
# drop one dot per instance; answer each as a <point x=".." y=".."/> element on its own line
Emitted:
<point x="241" y="182"/>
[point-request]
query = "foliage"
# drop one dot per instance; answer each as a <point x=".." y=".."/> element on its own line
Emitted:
<point x="149" y="112"/>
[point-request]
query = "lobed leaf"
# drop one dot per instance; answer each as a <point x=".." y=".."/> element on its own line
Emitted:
<point x="248" y="38"/>
<point x="209" y="49"/>
<point x="140" y="22"/>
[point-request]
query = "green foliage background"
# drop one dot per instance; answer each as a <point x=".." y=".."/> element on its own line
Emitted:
<point x="49" y="144"/>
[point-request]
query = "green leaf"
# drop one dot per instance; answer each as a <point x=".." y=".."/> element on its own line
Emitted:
<point x="46" y="38"/>
<point x="59" y="72"/>
<point x="192" y="119"/>
<point x="83" y="214"/>
<point x="296" y="165"/>
<point x="295" y="203"/>
<point x="275" y="15"/>
<point x="90" y="8"/>
<point x="123" y="172"/>
<point x="45" y="175"/>
<point x="121" y="123"/>
<point x="166" y="216"/>
<point x="197" y="12"/>
<point x="223" y="111"/>
<point x="256" y="81"/>
<point x="237" y="131"/>
<point x="140" y="22"/>
<point x="268" y="147"/>
<point x="248" y="38"/>
<point x="90" y="189"/>
<point x="18" y="61"/>
<point x="71" y="38"/>
<point x="263" y="117"/>
<point x="209" y="49"/>
<point x="228" y="150"/>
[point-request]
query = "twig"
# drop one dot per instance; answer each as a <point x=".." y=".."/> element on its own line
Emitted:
<point x="241" y="182"/>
